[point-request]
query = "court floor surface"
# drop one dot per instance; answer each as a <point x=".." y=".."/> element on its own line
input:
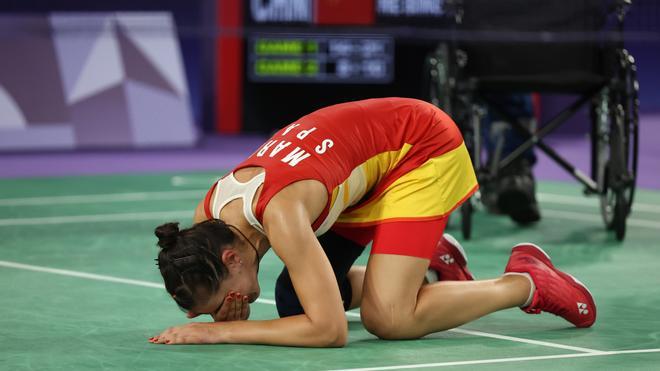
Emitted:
<point x="80" y="290"/>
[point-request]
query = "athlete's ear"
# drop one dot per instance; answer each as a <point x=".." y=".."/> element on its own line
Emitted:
<point x="231" y="259"/>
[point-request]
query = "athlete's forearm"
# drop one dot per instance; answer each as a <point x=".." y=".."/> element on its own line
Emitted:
<point x="290" y="331"/>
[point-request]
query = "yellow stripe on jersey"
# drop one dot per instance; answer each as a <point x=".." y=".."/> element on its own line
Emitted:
<point x="363" y="178"/>
<point x="347" y="191"/>
<point x="335" y="193"/>
<point x="431" y="190"/>
<point x="379" y="166"/>
<point x="344" y="195"/>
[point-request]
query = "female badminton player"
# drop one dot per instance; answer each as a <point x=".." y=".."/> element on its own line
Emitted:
<point x="387" y="171"/>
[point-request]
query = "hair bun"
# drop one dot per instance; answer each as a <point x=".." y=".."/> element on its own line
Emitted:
<point x="167" y="234"/>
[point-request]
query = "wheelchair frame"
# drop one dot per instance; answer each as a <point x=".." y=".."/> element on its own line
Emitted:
<point x="614" y="133"/>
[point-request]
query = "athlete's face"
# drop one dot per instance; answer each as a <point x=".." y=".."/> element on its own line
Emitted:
<point x="243" y="282"/>
<point x="239" y="288"/>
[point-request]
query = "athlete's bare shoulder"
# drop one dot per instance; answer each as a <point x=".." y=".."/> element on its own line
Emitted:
<point x="309" y="193"/>
<point x="199" y="215"/>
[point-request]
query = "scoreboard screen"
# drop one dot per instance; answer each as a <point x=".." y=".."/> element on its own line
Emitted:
<point x="301" y="55"/>
<point x="320" y="58"/>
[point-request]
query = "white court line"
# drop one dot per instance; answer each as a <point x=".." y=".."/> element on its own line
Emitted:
<point x="527" y="341"/>
<point x="593" y="202"/>
<point x="97" y="198"/>
<point x="92" y="276"/>
<point x="89" y="276"/>
<point x="162" y="215"/>
<point x="197" y="193"/>
<point x="179" y="181"/>
<point x="96" y="218"/>
<point x="571" y="215"/>
<point x="510" y="338"/>
<point x="99" y="277"/>
<point x="503" y="360"/>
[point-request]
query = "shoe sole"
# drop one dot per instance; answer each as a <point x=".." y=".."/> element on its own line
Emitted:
<point x="457" y="246"/>
<point x="540" y="254"/>
<point x="457" y="249"/>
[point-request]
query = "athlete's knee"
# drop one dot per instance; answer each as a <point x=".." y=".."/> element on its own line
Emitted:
<point x="286" y="299"/>
<point x="385" y="321"/>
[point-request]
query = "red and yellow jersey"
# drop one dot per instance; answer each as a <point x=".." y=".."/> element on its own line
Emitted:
<point x="388" y="159"/>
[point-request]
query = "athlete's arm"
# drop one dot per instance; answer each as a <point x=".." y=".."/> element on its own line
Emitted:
<point x="199" y="215"/>
<point x="324" y="322"/>
<point x="287" y="223"/>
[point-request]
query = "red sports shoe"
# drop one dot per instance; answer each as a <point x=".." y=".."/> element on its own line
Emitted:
<point x="556" y="292"/>
<point x="449" y="261"/>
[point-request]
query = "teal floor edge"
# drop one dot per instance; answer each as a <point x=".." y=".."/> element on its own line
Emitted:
<point x="80" y="289"/>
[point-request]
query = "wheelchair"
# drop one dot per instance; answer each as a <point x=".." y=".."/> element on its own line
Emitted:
<point x="524" y="46"/>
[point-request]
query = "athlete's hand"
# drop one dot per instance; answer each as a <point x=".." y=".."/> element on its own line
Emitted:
<point x="234" y="308"/>
<point x="190" y="333"/>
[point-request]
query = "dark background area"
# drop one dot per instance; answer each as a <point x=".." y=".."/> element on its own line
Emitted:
<point x="268" y="106"/>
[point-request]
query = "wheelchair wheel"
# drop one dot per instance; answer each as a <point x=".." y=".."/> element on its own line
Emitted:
<point x="617" y="147"/>
<point x="607" y="200"/>
<point x="630" y="124"/>
<point x="466" y="218"/>
<point x="621" y="211"/>
<point x="620" y="180"/>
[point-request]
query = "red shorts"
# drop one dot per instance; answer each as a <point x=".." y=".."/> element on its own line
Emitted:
<point x="409" y="216"/>
<point x="416" y="238"/>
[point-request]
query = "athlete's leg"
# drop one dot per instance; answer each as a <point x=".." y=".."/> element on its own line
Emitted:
<point x="342" y="247"/>
<point x="341" y="253"/>
<point x="448" y="259"/>
<point x="395" y="305"/>
<point x="448" y="263"/>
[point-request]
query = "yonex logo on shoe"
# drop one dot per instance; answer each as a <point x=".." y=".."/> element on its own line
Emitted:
<point x="582" y="308"/>
<point x="447" y="259"/>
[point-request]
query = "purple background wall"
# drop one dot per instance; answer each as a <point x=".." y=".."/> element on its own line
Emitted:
<point x="92" y="80"/>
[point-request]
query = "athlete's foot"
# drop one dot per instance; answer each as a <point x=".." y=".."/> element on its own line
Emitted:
<point x="449" y="261"/>
<point x="555" y="292"/>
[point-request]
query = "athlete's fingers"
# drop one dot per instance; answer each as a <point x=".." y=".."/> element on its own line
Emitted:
<point x="244" y="311"/>
<point x="160" y="339"/>
<point x="238" y="307"/>
<point x="230" y="308"/>
<point x="168" y="335"/>
<point x="232" y="311"/>
<point x="224" y="310"/>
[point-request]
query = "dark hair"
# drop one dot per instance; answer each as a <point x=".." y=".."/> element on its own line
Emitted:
<point x="189" y="260"/>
